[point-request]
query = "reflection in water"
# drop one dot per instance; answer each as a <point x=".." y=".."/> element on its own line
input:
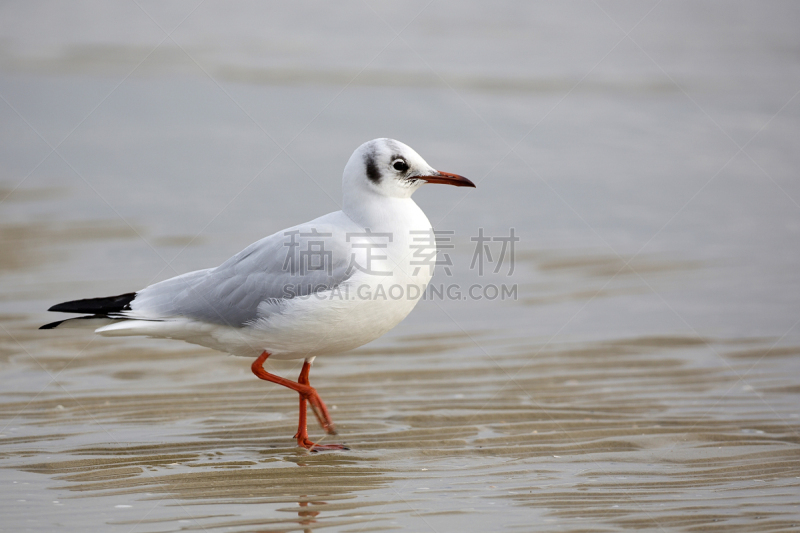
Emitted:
<point x="307" y="515"/>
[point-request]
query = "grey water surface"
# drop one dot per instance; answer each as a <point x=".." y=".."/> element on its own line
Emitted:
<point x="644" y="374"/>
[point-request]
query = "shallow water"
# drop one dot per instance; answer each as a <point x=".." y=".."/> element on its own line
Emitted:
<point x="646" y="375"/>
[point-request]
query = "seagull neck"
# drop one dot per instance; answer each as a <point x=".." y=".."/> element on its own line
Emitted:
<point x="376" y="211"/>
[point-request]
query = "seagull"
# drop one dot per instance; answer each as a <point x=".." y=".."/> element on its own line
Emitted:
<point x="319" y="288"/>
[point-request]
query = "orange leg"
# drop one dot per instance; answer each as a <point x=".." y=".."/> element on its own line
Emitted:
<point x="307" y="395"/>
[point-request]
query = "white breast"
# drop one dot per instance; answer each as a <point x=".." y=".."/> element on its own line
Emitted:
<point x="367" y="305"/>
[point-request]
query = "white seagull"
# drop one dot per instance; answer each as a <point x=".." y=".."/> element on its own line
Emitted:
<point x="322" y="287"/>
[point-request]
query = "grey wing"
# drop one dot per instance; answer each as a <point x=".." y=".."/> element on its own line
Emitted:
<point x="295" y="262"/>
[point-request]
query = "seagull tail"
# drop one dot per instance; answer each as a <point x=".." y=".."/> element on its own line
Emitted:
<point x="108" y="309"/>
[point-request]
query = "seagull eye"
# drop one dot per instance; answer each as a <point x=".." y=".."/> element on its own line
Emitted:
<point x="399" y="165"/>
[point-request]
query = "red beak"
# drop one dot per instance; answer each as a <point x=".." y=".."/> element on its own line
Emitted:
<point x="448" y="179"/>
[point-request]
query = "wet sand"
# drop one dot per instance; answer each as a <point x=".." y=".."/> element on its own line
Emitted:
<point x="641" y="432"/>
<point x="638" y="432"/>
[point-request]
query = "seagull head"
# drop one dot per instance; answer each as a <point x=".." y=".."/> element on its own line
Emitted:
<point x="390" y="168"/>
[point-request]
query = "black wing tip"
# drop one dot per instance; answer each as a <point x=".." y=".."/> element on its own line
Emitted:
<point x="101" y="306"/>
<point x="52" y="325"/>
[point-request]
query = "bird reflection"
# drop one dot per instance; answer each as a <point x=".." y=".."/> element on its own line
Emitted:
<point x="307" y="516"/>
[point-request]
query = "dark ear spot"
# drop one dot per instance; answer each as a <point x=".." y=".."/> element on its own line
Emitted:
<point x="373" y="173"/>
